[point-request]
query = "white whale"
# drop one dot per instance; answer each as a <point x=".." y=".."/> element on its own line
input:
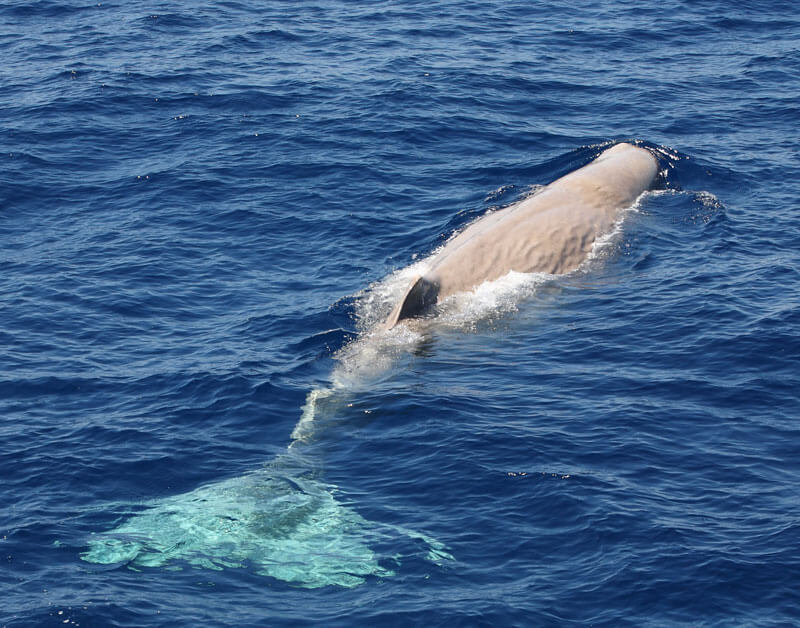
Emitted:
<point x="552" y="231"/>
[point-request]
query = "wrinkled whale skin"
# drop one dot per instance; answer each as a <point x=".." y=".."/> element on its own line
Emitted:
<point x="552" y="231"/>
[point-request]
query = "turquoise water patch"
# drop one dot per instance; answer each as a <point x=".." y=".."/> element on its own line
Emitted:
<point x="289" y="528"/>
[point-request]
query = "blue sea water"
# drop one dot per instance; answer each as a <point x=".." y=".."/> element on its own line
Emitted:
<point x="206" y="209"/>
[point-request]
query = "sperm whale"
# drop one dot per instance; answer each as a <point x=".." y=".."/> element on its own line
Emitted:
<point x="550" y="232"/>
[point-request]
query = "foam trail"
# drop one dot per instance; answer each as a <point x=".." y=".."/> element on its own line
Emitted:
<point x="361" y="362"/>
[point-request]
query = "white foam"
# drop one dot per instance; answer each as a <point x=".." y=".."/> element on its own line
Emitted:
<point x="490" y="300"/>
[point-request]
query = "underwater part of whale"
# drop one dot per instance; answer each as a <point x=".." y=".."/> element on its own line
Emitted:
<point x="551" y="232"/>
<point x="279" y="521"/>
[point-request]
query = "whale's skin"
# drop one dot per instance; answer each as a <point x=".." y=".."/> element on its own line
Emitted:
<point x="552" y="231"/>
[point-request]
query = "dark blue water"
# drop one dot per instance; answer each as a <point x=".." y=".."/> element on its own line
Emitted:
<point x="206" y="209"/>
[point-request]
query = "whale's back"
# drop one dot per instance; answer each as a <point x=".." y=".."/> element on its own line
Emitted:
<point x="552" y="231"/>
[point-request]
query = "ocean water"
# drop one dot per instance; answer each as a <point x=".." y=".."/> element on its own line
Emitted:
<point x="208" y="208"/>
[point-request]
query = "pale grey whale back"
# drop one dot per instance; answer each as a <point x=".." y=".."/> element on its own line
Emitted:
<point x="552" y="231"/>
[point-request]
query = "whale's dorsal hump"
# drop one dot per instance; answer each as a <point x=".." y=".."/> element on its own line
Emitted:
<point x="420" y="297"/>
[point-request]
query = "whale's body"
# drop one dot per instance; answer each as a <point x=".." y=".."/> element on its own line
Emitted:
<point x="552" y="231"/>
